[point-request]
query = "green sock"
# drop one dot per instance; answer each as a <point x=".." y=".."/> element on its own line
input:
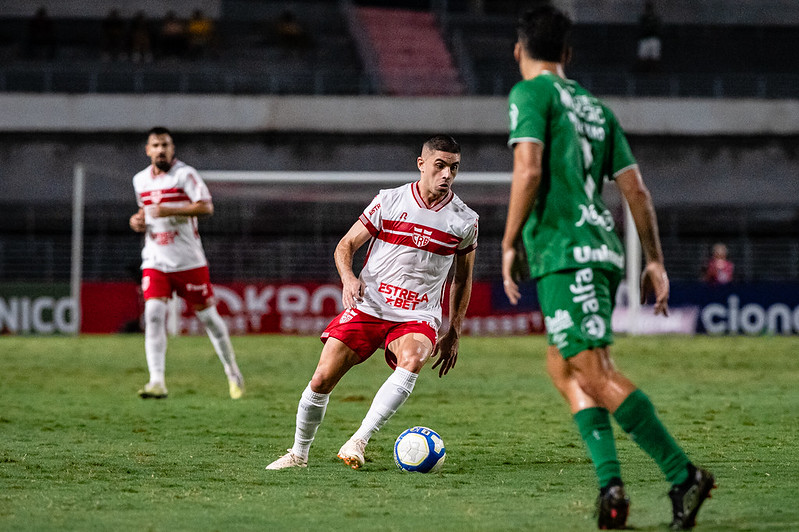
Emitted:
<point x="636" y="415"/>
<point x="594" y="426"/>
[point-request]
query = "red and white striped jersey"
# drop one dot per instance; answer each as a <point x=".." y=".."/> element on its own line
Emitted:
<point x="171" y="243"/>
<point x="411" y="252"/>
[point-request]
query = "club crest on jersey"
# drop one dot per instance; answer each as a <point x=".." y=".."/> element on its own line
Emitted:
<point x="421" y="237"/>
<point x="155" y="196"/>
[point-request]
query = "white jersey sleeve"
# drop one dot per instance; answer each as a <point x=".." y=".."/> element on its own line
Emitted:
<point x="194" y="186"/>
<point x="372" y="216"/>
<point x="469" y="242"/>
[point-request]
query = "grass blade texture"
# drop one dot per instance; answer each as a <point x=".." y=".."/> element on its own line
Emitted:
<point x="80" y="451"/>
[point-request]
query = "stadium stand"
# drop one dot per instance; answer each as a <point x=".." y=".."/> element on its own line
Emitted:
<point x="698" y="61"/>
<point x="246" y="239"/>
<point x="472" y="51"/>
<point x="412" y="57"/>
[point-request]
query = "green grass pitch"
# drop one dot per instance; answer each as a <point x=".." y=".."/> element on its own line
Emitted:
<point x="80" y="451"/>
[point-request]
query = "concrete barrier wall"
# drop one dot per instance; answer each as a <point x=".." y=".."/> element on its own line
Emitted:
<point x="364" y="114"/>
<point x="692" y="152"/>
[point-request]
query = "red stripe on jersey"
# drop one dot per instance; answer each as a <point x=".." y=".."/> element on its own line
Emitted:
<point x="369" y="225"/>
<point x="407" y="240"/>
<point x="369" y="251"/>
<point x="436" y="234"/>
<point x="150" y="197"/>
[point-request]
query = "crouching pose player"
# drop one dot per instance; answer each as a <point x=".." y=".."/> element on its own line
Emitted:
<point x="416" y="232"/>
<point x="565" y="142"/>
<point x="171" y="195"/>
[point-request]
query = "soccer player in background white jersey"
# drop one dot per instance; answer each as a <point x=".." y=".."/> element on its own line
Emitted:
<point x="171" y="195"/>
<point x="415" y="233"/>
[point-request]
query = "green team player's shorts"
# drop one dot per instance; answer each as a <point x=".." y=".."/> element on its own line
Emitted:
<point x="577" y="307"/>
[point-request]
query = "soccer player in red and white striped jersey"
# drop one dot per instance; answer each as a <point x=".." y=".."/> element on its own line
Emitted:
<point x="171" y="195"/>
<point x="415" y="233"/>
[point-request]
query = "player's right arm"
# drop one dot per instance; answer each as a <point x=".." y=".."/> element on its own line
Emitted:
<point x="137" y="221"/>
<point x="352" y="288"/>
<point x="527" y="161"/>
<point x="654" y="278"/>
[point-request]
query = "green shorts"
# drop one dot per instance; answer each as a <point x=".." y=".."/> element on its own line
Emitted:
<point x="577" y="307"/>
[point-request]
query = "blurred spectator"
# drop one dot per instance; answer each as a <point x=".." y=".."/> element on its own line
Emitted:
<point x="113" y="37"/>
<point x="140" y="39"/>
<point x="649" y="42"/>
<point x="290" y="33"/>
<point x="201" y="34"/>
<point x="41" y="36"/>
<point x="719" y="270"/>
<point x="173" y="36"/>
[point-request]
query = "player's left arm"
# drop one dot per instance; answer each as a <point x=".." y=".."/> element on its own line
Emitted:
<point x="198" y="208"/>
<point x="654" y="278"/>
<point x="527" y="170"/>
<point x="460" y="292"/>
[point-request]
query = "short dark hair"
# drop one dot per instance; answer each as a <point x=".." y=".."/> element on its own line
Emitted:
<point x="442" y="142"/>
<point x="159" y="130"/>
<point x="544" y="31"/>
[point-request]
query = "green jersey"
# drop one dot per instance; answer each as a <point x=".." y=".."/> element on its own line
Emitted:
<point x="569" y="226"/>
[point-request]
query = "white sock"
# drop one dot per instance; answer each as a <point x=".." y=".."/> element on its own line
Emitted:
<point x="387" y="401"/>
<point x="155" y="338"/>
<point x="310" y="413"/>
<point x="220" y="338"/>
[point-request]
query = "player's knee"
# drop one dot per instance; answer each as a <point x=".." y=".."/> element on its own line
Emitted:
<point x="212" y="321"/>
<point x="154" y="314"/>
<point x="321" y="383"/>
<point x="412" y="359"/>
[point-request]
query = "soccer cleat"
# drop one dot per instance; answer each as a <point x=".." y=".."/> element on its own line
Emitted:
<point x="612" y="506"/>
<point x="351" y="453"/>
<point x="687" y="498"/>
<point x="288" y="460"/>
<point x="236" y="384"/>
<point x="153" y="390"/>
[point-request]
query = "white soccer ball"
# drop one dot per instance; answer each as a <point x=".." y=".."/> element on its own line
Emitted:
<point x="419" y="450"/>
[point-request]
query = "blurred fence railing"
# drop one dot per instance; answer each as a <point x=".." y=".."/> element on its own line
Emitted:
<point x="260" y="78"/>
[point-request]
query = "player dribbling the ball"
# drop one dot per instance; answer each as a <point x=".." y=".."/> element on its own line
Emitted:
<point x="416" y="232"/>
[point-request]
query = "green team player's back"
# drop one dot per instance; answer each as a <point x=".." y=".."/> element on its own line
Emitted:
<point x="570" y="226"/>
<point x="565" y="144"/>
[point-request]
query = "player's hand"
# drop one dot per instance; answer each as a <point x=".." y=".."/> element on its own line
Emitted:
<point x="510" y="274"/>
<point x="351" y="292"/>
<point x="447" y="346"/>
<point x="137" y="222"/>
<point x="155" y="211"/>
<point x="654" y="280"/>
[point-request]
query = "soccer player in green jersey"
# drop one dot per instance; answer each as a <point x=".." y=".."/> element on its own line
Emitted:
<point x="565" y="144"/>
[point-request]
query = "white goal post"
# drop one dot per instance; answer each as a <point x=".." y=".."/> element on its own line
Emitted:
<point x="632" y="244"/>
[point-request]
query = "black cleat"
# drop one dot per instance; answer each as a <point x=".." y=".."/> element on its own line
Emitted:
<point x="687" y="498"/>
<point x="612" y="506"/>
